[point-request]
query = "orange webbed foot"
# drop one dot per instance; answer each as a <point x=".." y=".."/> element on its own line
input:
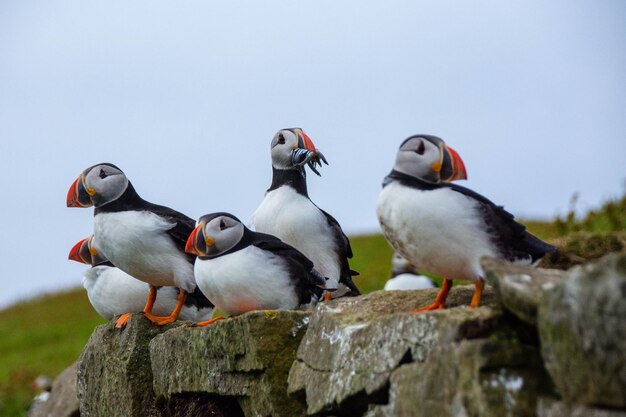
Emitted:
<point x="432" y="307"/>
<point x="160" y="320"/>
<point x="207" y="322"/>
<point x="122" y="321"/>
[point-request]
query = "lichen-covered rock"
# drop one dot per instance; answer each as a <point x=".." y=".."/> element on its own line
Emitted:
<point x="497" y="376"/>
<point x="583" y="333"/>
<point x="520" y="288"/>
<point x="246" y="357"/>
<point x="63" y="398"/>
<point x="551" y="408"/>
<point x="353" y="345"/>
<point x="114" y="372"/>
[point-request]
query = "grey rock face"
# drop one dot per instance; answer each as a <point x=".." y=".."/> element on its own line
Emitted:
<point x="246" y="358"/>
<point x="360" y="352"/>
<point x="63" y="398"/>
<point x="520" y="288"/>
<point x="114" y="372"/>
<point x="583" y="333"/>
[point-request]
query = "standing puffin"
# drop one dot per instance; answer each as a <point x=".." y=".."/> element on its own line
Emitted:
<point x="288" y="213"/>
<point x="240" y="270"/>
<point x="112" y="291"/>
<point x="144" y="240"/>
<point x="444" y="228"/>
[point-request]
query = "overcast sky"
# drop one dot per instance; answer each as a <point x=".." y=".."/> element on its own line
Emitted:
<point x="186" y="96"/>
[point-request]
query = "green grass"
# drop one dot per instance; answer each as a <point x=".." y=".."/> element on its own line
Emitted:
<point x="40" y="336"/>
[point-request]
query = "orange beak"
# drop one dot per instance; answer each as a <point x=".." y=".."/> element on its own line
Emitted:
<point x="77" y="195"/>
<point x="192" y="241"/>
<point x="456" y="168"/>
<point x="305" y="142"/>
<point x="79" y="252"/>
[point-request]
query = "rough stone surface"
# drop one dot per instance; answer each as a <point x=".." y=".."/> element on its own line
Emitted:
<point x="552" y="408"/>
<point x="520" y="288"/>
<point x="583" y="333"/>
<point x="352" y="345"/>
<point x="114" y="372"/>
<point x="247" y="357"/>
<point x="63" y="398"/>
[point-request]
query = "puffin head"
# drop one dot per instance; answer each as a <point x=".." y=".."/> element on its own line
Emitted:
<point x="400" y="265"/>
<point x="429" y="159"/>
<point x="96" y="186"/>
<point x="293" y="149"/>
<point x="85" y="252"/>
<point x="215" y="234"/>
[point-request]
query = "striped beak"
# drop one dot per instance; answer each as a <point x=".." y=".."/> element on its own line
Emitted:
<point x="78" y="195"/>
<point x="305" y="153"/>
<point x="80" y="252"/>
<point x="452" y="166"/>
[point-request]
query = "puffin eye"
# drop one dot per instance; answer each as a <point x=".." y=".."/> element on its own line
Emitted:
<point x="222" y="225"/>
<point x="421" y="148"/>
<point x="281" y="139"/>
<point x="102" y="174"/>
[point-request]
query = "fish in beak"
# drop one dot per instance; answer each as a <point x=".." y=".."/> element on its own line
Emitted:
<point x="198" y="243"/>
<point x="78" y="195"/>
<point x="305" y="153"/>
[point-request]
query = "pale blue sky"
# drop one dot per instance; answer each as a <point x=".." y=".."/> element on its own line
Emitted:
<point x="186" y="96"/>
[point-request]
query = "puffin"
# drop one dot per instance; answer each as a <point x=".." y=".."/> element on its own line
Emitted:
<point x="241" y="270"/>
<point x="445" y="228"/>
<point x="112" y="291"/>
<point x="403" y="276"/>
<point x="288" y="213"/>
<point x="145" y="240"/>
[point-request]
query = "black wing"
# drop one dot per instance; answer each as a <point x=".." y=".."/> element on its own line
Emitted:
<point x="345" y="253"/>
<point x="183" y="226"/>
<point x="308" y="281"/>
<point x="511" y="238"/>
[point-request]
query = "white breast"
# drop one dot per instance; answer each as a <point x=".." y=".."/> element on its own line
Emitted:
<point x="295" y="220"/>
<point x="439" y="231"/>
<point x="137" y="243"/>
<point x="408" y="282"/>
<point x="246" y="280"/>
<point x="112" y="292"/>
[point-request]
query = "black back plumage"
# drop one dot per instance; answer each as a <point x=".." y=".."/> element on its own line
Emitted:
<point x="183" y="226"/>
<point x="511" y="238"/>
<point x="130" y="200"/>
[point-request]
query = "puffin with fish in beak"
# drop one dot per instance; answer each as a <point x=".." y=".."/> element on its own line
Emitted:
<point x="288" y="213"/>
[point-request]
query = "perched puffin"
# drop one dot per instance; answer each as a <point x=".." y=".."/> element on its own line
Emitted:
<point x="240" y="270"/>
<point x="144" y="240"/>
<point x="288" y="213"/>
<point x="112" y="291"/>
<point x="403" y="276"/>
<point x="442" y="227"/>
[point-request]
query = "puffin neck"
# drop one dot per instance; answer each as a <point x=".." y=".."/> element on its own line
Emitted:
<point x="293" y="178"/>
<point x="129" y="200"/>
<point x="409" y="181"/>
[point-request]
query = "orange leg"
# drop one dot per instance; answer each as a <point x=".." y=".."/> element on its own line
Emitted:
<point x="478" y="292"/>
<point x="152" y="295"/>
<point x="327" y="296"/>
<point x="122" y="321"/>
<point x="206" y="323"/>
<point x="161" y="320"/>
<point x="440" y="301"/>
